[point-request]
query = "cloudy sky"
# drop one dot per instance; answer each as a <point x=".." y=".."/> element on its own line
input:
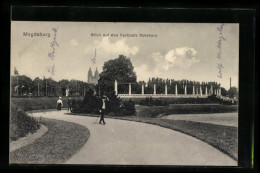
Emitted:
<point x="177" y="50"/>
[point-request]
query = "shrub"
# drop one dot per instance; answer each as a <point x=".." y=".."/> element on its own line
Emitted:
<point x="90" y="102"/>
<point x="28" y="104"/>
<point x="113" y="104"/>
<point x="223" y="101"/>
<point x="76" y="106"/>
<point x="174" y="100"/>
<point x="149" y="101"/>
<point x="128" y="108"/>
<point x="88" y="105"/>
<point x="114" y="107"/>
<point x="151" y="112"/>
<point x="20" y="123"/>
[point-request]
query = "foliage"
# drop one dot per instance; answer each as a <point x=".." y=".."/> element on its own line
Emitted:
<point x="88" y="105"/>
<point x="149" y="101"/>
<point x="47" y="87"/>
<point x="224" y="92"/>
<point x="23" y="82"/>
<point x="120" y="69"/>
<point x="28" y="104"/>
<point x="233" y="92"/>
<point x="128" y="108"/>
<point x="114" y="105"/>
<point x="225" y="101"/>
<point x="152" y="112"/>
<point x="60" y="143"/>
<point x="20" y="123"/>
<point x="167" y="101"/>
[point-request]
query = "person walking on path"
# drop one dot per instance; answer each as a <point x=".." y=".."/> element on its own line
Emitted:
<point x="102" y="109"/>
<point x="69" y="104"/>
<point x="59" y="103"/>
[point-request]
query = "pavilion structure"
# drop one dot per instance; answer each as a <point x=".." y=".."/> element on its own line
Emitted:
<point x="196" y="92"/>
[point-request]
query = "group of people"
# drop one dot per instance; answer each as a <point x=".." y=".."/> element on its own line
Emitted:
<point x="60" y="104"/>
<point x="102" y="107"/>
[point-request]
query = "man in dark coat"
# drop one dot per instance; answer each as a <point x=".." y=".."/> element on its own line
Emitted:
<point x="69" y="104"/>
<point x="102" y="109"/>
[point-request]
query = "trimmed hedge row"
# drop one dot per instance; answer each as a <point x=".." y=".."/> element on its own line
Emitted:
<point x="39" y="103"/>
<point x="149" y="101"/>
<point x="167" y="101"/>
<point x="154" y="111"/>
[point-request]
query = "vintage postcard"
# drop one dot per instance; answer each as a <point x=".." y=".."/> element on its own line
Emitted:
<point x="114" y="93"/>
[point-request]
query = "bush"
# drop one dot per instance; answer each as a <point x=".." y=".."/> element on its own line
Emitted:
<point x="113" y="104"/>
<point x="28" y="104"/>
<point x="224" y="101"/>
<point x="175" y="100"/>
<point x="149" y="101"/>
<point x="128" y="108"/>
<point x="151" y="112"/>
<point x="88" y="105"/>
<point x="114" y="107"/>
<point x="20" y="123"/>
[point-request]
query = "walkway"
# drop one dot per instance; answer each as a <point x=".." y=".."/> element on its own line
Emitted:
<point x="122" y="142"/>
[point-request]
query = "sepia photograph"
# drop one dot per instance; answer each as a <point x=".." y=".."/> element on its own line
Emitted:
<point x="124" y="93"/>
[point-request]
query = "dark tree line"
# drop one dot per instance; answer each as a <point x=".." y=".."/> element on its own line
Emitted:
<point x="119" y="69"/>
<point x="22" y="85"/>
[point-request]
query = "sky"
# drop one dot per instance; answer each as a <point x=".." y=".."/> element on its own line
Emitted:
<point x="66" y="50"/>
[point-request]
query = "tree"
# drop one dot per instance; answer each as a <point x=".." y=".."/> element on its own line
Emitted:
<point x="120" y="69"/>
<point x="79" y="88"/>
<point x="38" y="86"/>
<point x="90" y="102"/>
<point x="51" y="87"/>
<point x="62" y="86"/>
<point x="25" y="86"/>
<point x="233" y="92"/>
<point x="224" y="92"/>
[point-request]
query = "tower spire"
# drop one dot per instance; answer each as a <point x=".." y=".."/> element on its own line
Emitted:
<point x="90" y="75"/>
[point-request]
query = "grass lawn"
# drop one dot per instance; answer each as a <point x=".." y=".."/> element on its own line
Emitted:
<point x="58" y="144"/>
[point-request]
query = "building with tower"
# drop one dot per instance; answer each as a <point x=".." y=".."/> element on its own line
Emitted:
<point x="93" y="78"/>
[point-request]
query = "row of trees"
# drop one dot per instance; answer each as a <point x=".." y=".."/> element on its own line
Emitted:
<point x="120" y="69"/>
<point x="23" y="85"/>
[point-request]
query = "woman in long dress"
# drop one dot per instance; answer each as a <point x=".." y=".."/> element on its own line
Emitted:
<point x="59" y="103"/>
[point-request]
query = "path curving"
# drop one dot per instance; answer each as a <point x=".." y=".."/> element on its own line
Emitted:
<point x="121" y="142"/>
